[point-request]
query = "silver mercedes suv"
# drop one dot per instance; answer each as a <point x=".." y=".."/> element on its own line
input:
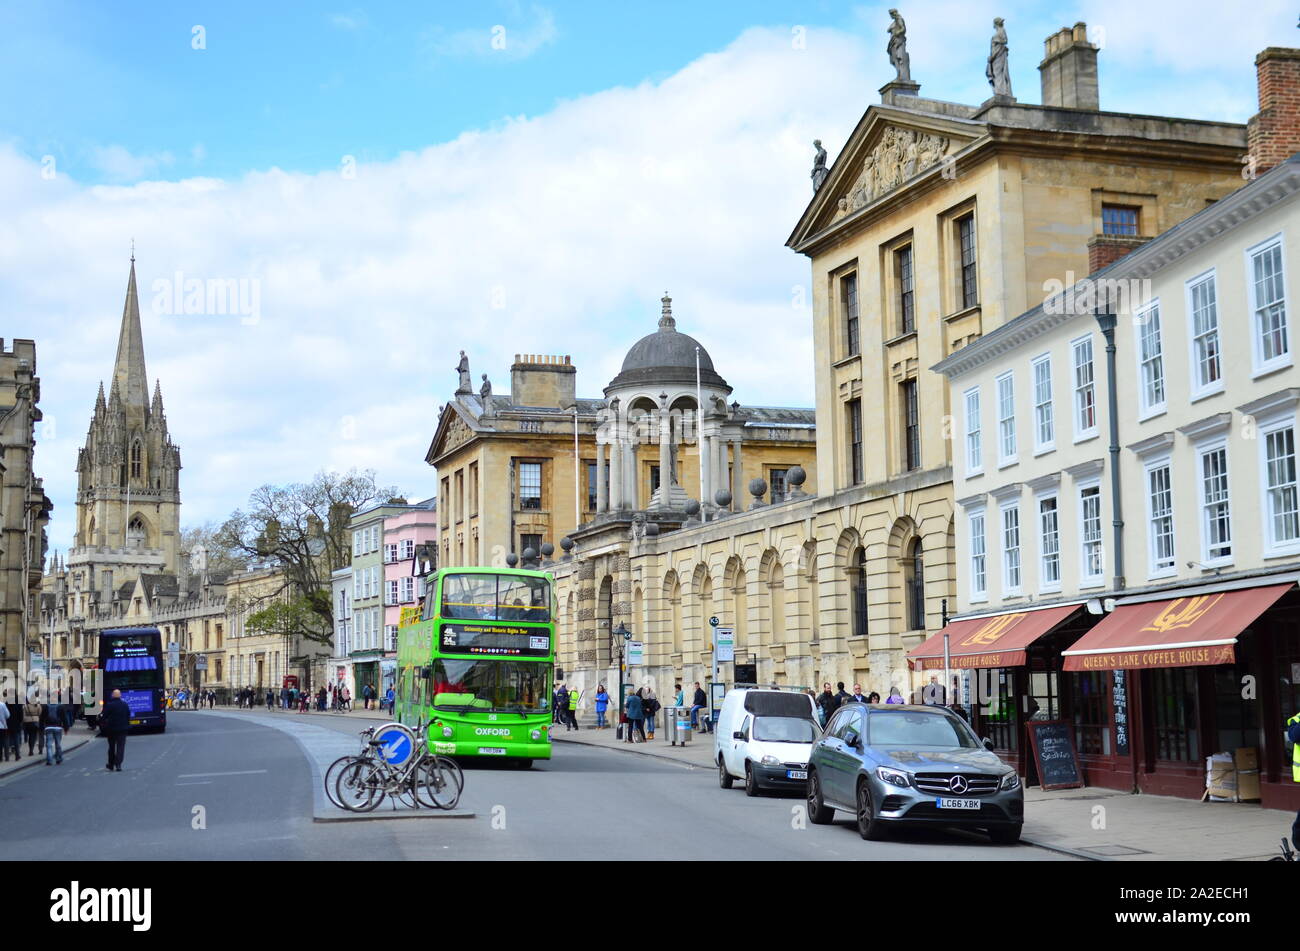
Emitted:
<point x="904" y="764"/>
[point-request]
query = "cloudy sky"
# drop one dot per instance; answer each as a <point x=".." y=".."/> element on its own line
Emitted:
<point x="391" y="183"/>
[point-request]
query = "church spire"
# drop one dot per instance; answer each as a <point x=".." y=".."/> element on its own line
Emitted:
<point x="157" y="408"/>
<point x="128" y="371"/>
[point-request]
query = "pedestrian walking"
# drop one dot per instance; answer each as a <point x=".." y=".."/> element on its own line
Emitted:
<point x="635" y="717"/>
<point x="602" y="704"/>
<point x="562" y="705"/>
<point x="4" y="732"/>
<point x="270" y="700"/>
<point x="32" y="727"/>
<point x="13" y="737"/>
<point x="873" y="697"/>
<point x="115" y="721"/>
<point x="895" y="696"/>
<point x="858" y="696"/>
<point x="650" y="706"/>
<point x="828" y="703"/>
<point x="52" y="731"/>
<point x="389" y="698"/>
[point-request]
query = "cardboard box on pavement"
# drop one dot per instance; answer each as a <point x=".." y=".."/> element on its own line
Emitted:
<point x="1246" y="758"/>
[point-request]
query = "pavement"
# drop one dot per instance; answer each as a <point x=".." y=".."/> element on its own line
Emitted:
<point x="1087" y="823"/>
<point x="78" y="738"/>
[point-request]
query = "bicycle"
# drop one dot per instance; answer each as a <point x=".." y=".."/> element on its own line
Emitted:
<point x="332" y="772"/>
<point x="1288" y="853"/>
<point x="424" y="779"/>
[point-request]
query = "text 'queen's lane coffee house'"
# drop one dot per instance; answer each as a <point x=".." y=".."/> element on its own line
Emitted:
<point x="1128" y="508"/>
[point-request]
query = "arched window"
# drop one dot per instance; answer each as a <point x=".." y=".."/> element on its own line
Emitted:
<point x="135" y="533"/>
<point x="136" y="456"/>
<point x="914" y="578"/>
<point x="858" y="582"/>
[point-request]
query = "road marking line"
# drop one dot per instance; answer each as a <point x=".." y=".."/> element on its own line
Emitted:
<point x="237" y="772"/>
<point x="201" y="782"/>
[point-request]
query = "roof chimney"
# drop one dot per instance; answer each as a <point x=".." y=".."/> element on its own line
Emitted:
<point x="1273" y="133"/>
<point x="1069" y="69"/>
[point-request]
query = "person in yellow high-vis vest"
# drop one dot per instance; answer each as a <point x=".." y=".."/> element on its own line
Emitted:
<point x="574" y="696"/>
<point x="1293" y="736"/>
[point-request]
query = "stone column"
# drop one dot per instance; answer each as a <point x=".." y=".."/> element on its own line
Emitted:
<point x="665" y="458"/>
<point x="720" y="480"/>
<point x="602" y="493"/>
<point x="630" y="481"/>
<point x="737" y="478"/>
<point x="616" y="474"/>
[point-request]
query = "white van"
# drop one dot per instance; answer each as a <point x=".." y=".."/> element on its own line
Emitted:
<point x="765" y="737"/>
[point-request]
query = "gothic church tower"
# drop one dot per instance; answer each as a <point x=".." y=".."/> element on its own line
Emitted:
<point x="128" y="475"/>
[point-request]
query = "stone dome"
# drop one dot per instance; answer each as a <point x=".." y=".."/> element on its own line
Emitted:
<point x="666" y="356"/>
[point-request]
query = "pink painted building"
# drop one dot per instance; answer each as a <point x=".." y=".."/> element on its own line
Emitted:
<point x="403" y="534"/>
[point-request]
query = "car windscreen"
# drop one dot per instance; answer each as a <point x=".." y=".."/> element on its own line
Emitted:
<point x="918" y="730"/>
<point x="785" y="730"/>
<point x="778" y="703"/>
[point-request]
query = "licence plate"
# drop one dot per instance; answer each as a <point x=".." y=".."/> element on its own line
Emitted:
<point x="796" y="774"/>
<point x="957" y="803"/>
<point x="491" y="751"/>
<point x="135" y="722"/>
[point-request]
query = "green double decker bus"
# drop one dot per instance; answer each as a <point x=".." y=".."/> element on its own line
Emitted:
<point x="477" y="661"/>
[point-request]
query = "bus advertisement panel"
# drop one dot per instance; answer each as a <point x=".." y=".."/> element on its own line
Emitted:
<point x="132" y="661"/>
<point x="478" y="662"/>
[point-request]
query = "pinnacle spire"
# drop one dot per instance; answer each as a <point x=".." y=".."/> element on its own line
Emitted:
<point x="666" y="321"/>
<point x="99" y="400"/>
<point x="128" y="370"/>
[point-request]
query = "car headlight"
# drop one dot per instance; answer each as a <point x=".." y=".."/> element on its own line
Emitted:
<point x="770" y="760"/>
<point x="1010" y="781"/>
<point x="536" y="734"/>
<point x="447" y="732"/>
<point x="894" y="777"/>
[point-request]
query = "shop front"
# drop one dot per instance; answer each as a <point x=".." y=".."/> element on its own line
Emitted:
<point x="1206" y="672"/>
<point x="365" y="671"/>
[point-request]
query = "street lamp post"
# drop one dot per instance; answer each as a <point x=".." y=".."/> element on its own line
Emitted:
<point x="621" y="635"/>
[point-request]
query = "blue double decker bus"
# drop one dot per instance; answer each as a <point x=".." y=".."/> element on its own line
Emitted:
<point x="131" y="660"/>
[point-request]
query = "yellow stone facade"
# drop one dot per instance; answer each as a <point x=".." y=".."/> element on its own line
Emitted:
<point x="937" y="223"/>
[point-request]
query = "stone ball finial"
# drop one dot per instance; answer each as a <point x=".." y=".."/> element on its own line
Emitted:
<point x="758" y="488"/>
<point x="796" y="476"/>
<point x="547" y="549"/>
<point x="652" y="529"/>
<point x="566" y="543"/>
<point x="692" y="508"/>
<point x="511" y="560"/>
<point x="722" y="497"/>
<point x="530" y="554"/>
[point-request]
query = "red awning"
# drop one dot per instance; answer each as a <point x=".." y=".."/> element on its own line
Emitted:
<point x="996" y="641"/>
<point x="1183" y="632"/>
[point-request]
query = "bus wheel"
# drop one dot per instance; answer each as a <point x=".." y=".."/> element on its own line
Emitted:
<point x="524" y="763"/>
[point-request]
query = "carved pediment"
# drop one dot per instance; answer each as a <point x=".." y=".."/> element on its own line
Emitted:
<point x="898" y="154"/>
<point x="453" y="432"/>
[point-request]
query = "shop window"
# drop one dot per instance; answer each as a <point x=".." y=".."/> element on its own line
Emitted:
<point x="1000" y="718"/>
<point x="1173" y="715"/>
<point x="1091" y="702"/>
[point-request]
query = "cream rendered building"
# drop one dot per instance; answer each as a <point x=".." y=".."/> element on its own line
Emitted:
<point x="937" y="223"/>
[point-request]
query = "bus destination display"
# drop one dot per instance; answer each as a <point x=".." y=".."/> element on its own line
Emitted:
<point x="495" y="641"/>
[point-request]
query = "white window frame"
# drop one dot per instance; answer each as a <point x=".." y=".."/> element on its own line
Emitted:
<point x="1044" y="584"/>
<point x="1087" y="580"/>
<point x="1153" y="569"/>
<point x="390" y="552"/>
<point x="1203" y="449"/>
<point x="356" y="543"/>
<point x="1004" y="459"/>
<point x="982" y="593"/>
<point x="406" y="592"/>
<point x="1141" y="324"/>
<point x="1009" y="589"/>
<point x="1080" y="434"/>
<point x="1043" y="445"/>
<point x="975" y="434"/>
<point x="391" y="587"/>
<point x="1259" y="364"/>
<point x="1200" y="389"/>
<point x="1272" y="547"/>
<point x="408" y="549"/>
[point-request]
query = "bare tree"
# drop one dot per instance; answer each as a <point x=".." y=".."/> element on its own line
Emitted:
<point x="221" y="557"/>
<point x="303" y="528"/>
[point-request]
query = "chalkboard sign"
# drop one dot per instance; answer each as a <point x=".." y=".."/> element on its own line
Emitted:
<point x="1053" y="745"/>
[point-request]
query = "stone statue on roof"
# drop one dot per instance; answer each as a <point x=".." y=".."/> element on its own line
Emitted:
<point x="897" y="48"/>
<point x="466" y="387"/>
<point x="997" y="71"/>
<point x="485" y="391"/>
<point x="819" y="170"/>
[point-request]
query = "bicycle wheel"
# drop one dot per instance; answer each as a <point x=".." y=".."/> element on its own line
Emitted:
<point x="332" y="777"/>
<point x="360" y="787"/>
<point x="439" y="783"/>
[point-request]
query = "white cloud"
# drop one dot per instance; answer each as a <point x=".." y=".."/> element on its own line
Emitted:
<point x="355" y="20"/>
<point x="120" y="165"/>
<point x="518" y="38"/>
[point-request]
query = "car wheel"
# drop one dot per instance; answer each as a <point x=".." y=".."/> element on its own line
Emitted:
<point x="818" y="812"/>
<point x="869" y="827"/>
<point x="751" y="781"/>
<point x="724" y="777"/>
<point x="1005" y="835"/>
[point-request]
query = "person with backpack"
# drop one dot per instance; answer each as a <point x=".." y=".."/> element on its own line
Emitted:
<point x="650" y="706"/>
<point x="635" y="717"/>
